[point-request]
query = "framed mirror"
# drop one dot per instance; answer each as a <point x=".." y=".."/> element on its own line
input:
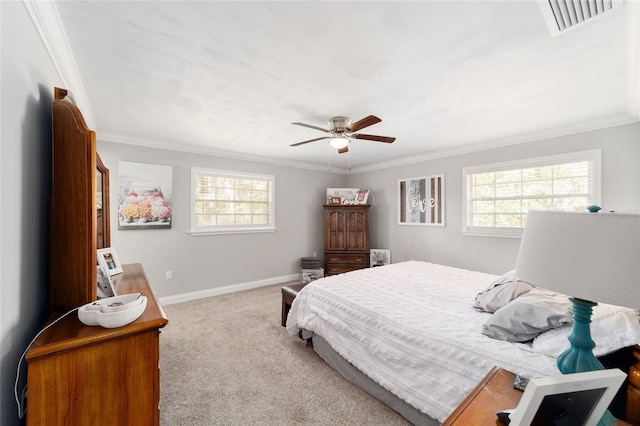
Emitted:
<point x="103" y="230"/>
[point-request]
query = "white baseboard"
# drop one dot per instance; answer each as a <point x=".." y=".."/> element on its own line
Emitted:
<point x="217" y="291"/>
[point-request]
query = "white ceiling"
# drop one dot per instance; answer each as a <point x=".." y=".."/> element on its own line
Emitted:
<point x="444" y="76"/>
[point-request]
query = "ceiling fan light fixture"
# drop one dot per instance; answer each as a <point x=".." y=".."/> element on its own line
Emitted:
<point x="339" y="142"/>
<point x="342" y="130"/>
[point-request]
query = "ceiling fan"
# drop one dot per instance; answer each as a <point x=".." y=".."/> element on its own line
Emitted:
<point x="342" y="130"/>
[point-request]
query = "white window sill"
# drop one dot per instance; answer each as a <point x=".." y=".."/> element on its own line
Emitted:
<point x="198" y="233"/>
<point x="497" y="233"/>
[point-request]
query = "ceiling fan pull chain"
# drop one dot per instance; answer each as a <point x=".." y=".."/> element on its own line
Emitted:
<point x="349" y="154"/>
<point x="329" y="157"/>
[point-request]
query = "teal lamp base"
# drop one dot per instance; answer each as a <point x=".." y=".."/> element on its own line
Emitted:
<point x="579" y="356"/>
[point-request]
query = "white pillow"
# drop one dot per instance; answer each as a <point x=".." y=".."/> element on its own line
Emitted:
<point x="529" y="315"/>
<point x="612" y="328"/>
<point x="500" y="292"/>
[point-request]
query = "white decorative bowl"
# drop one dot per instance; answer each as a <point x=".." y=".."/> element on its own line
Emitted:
<point x="112" y="313"/>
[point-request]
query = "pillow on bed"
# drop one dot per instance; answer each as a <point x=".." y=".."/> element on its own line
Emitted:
<point x="529" y="315"/>
<point x="500" y="292"/>
<point x="612" y="328"/>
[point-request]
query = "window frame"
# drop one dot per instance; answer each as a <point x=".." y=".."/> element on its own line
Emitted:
<point x="230" y="229"/>
<point x="594" y="155"/>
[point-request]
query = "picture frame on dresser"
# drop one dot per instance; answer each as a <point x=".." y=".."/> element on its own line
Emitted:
<point x="108" y="259"/>
<point x="345" y="195"/>
<point x="362" y="196"/>
<point x="578" y="398"/>
<point x="106" y="287"/>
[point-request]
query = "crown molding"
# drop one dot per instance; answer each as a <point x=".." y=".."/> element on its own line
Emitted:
<point x="46" y="19"/>
<point x="558" y="131"/>
<point x="202" y="150"/>
<point x="552" y="132"/>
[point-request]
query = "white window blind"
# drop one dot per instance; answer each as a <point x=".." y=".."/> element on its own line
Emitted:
<point x="230" y="202"/>
<point x="498" y="196"/>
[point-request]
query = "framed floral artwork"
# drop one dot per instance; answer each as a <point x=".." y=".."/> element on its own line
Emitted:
<point x="421" y="201"/>
<point x="379" y="257"/>
<point x="108" y="259"/>
<point x="144" y="196"/>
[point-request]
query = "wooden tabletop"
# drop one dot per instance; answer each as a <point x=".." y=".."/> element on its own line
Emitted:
<point x="494" y="392"/>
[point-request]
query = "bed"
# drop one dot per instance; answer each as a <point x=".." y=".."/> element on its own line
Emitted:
<point x="416" y="334"/>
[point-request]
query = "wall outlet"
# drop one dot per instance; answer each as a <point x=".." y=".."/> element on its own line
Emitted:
<point x="169" y="275"/>
<point x="315" y="254"/>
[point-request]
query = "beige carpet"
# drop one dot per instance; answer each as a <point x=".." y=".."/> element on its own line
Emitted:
<point x="226" y="360"/>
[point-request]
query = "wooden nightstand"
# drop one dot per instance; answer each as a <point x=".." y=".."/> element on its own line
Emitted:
<point x="494" y="392"/>
<point x="289" y="292"/>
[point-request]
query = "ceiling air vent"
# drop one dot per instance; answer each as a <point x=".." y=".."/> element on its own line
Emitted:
<point x="562" y="15"/>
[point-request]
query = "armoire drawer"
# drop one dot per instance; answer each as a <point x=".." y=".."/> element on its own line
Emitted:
<point x="341" y="268"/>
<point x="347" y="258"/>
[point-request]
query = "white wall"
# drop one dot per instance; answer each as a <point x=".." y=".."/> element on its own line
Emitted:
<point x="28" y="78"/>
<point x="208" y="262"/>
<point x="200" y="263"/>
<point x="446" y="245"/>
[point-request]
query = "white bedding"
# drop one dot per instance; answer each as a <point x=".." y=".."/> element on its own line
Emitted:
<point x="411" y="327"/>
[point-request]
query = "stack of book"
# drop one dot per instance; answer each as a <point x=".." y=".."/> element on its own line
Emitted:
<point x="310" y="263"/>
<point x="310" y="269"/>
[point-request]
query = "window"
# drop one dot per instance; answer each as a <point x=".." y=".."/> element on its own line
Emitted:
<point x="231" y="202"/>
<point x="498" y="196"/>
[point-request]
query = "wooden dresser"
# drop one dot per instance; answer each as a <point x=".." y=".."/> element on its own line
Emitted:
<point x="346" y="238"/>
<point x="80" y="375"/>
<point x="95" y="376"/>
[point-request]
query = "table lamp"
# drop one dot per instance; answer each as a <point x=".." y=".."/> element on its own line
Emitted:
<point x="591" y="257"/>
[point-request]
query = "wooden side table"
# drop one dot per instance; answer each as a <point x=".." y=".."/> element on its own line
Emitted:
<point x="494" y="392"/>
<point x="289" y="292"/>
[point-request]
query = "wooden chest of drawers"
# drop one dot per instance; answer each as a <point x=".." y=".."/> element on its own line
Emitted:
<point x="81" y="375"/>
<point x="337" y="263"/>
<point x="346" y="238"/>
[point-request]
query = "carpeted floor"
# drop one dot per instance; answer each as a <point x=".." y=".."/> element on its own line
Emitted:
<point x="226" y="360"/>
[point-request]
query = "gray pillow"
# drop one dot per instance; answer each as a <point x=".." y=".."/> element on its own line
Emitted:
<point x="528" y="316"/>
<point x="500" y="292"/>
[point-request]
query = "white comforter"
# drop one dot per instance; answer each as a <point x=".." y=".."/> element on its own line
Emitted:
<point x="411" y="327"/>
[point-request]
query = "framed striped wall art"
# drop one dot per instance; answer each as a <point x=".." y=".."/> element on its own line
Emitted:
<point x="421" y="201"/>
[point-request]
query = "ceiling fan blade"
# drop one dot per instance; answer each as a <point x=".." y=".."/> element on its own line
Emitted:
<point x="310" y="140"/>
<point x="311" y="127"/>
<point x="365" y="122"/>
<point x="343" y="150"/>
<point x="386" y="139"/>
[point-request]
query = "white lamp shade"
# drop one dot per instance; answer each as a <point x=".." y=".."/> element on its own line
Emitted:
<point x="591" y="256"/>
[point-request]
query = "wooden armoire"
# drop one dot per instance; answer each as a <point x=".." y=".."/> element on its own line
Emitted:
<point x="77" y="374"/>
<point x="346" y="238"/>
